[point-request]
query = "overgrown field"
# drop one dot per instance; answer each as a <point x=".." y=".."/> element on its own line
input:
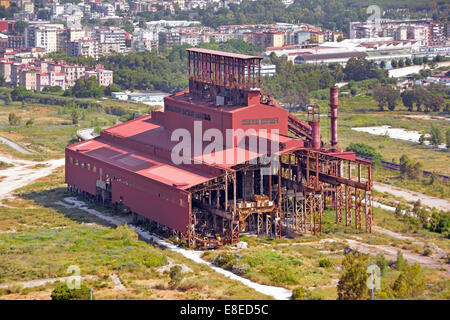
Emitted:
<point x="40" y="240"/>
<point x="53" y="127"/>
<point x="314" y="262"/>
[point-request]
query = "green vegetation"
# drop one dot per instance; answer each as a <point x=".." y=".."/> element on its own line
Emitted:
<point x="352" y="283"/>
<point x="44" y="239"/>
<point x="62" y="292"/>
<point x="329" y="14"/>
<point x="364" y="150"/>
<point x="165" y="71"/>
<point x="301" y="293"/>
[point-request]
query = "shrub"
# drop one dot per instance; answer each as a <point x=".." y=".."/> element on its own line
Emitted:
<point x="224" y="259"/>
<point x="189" y="284"/>
<point x="325" y="263"/>
<point x="427" y="252"/>
<point x="240" y="268"/>
<point x="176" y="276"/>
<point x="410" y="282"/>
<point x="15" y="288"/>
<point x="155" y="260"/>
<point x="62" y="292"/>
<point x="301" y="293"/>
<point x="124" y="233"/>
<point x="381" y="262"/>
<point x="364" y="150"/>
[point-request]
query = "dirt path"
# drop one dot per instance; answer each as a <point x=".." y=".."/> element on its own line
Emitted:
<point x="408" y="195"/>
<point x="24" y="172"/>
<point x="14" y="145"/>
<point x="391" y="254"/>
<point x="438" y="253"/>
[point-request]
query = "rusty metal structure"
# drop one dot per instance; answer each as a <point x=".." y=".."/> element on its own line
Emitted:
<point x="208" y="200"/>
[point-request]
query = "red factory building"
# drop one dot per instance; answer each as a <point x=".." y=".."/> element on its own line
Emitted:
<point x="216" y="193"/>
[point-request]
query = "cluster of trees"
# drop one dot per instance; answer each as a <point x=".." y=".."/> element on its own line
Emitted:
<point x="62" y="292"/>
<point x="386" y="96"/>
<point x="330" y="14"/>
<point x="431" y="219"/>
<point x="416" y="61"/>
<point x="360" y="68"/>
<point x="20" y="93"/>
<point x="427" y="100"/>
<point x="410" y="169"/>
<point x="292" y="83"/>
<point x="166" y="71"/>
<point x="364" y="150"/>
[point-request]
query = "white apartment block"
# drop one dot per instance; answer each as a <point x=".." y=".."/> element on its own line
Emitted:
<point x="43" y="36"/>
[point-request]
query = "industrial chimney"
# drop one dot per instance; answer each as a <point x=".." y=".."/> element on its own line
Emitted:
<point x="334" y="115"/>
<point x="314" y="122"/>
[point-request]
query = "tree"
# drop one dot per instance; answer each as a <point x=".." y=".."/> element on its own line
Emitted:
<point x="85" y="88"/>
<point x="410" y="282"/>
<point x="394" y="64"/>
<point x="400" y="262"/>
<point x="352" y="283"/>
<point x="62" y="292"/>
<point x="408" y="99"/>
<point x="176" y="276"/>
<point x="392" y="96"/>
<point x="75" y="115"/>
<point x="20" y="93"/>
<point x="360" y="69"/>
<point x="408" y="62"/>
<point x="20" y="26"/>
<point x="422" y="139"/>
<point x="379" y="94"/>
<point x="382" y="64"/>
<point x="13" y="119"/>
<point x="382" y="263"/>
<point x="128" y="27"/>
<point x="437" y="137"/>
<point x="401" y="63"/>
<point x="386" y="95"/>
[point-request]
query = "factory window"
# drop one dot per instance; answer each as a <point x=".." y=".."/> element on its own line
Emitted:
<point x="76" y="162"/>
<point x="88" y="166"/>
<point x="71" y="160"/>
<point x="94" y="169"/>
<point x="249" y="122"/>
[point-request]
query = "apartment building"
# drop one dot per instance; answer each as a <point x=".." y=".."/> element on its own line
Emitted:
<point x="112" y="35"/>
<point x="83" y="47"/>
<point x="105" y="77"/>
<point x="50" y="79"/>
<point x="73" y="73"/>
<point x="43" y="36"/>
